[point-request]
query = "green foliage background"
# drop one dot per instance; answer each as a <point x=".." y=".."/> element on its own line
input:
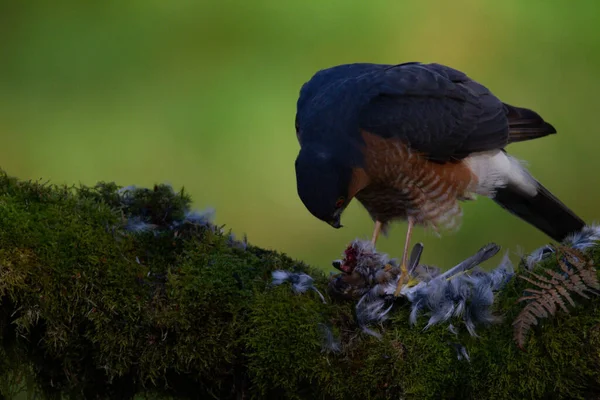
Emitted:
<point x="202" y="94"/>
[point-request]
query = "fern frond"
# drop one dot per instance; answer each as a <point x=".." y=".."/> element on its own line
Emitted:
<point x="524" y="298"/>
<point x="534" y="291"/>
<point x="540" y="279"/>
<point x="554" y="290"/>
<point x="565" y="293"/>
<point x="556" y="277"/>
<point x="537" y="283"/>
<point x="523" y="324"/>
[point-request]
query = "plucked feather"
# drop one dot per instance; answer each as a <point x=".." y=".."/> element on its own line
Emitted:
<point x="301" y="283"/>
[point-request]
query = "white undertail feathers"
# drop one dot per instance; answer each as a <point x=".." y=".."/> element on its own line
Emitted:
<point x="496" y="169"/>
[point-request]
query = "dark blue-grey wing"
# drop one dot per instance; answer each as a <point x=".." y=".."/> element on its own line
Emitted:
<point x="437" y="111"/>
<point x="329" y="100"/>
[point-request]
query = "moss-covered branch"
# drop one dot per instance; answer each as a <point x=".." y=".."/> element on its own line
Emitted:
<point x="108" y="293"/>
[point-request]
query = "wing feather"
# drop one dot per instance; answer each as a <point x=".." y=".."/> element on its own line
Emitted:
<point x="437" y="111"/>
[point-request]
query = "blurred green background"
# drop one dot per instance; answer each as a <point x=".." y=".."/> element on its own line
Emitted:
<point x="202" y="94"/>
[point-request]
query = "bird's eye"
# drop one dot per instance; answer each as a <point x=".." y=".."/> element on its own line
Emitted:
<point x="339" y="202"/>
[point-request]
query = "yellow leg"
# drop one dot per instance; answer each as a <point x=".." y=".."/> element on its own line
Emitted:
<point x="404" y="271"/>
<point x="376" y="232"/>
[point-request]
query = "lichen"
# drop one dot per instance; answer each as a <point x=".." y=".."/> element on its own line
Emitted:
<point x="109" y="292"/>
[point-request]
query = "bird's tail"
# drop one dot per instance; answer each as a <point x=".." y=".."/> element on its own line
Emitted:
<point x="544" y="211"/>
<point x="525" y="124"/>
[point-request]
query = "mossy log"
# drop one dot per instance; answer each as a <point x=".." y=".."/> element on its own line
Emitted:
<point x="108" y="293"/>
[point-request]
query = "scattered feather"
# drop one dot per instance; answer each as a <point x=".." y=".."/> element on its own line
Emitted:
<point x="587" y="237"/>
<point x="484" y="254"/>
<point x="502" y="274"/>
<point x="415" y="310"/>
<point x="301" y="283"/>
<point x="452" y="329"/>
<point x="126" y="194"/>
<point x="425" y="273"/>
<point x="463" y="291"/>
<point x="372" y="311"/>
<point x="144" y="219"/>
<point x="371" y="332"/>
<point x="197" y="218"/>
<point x="240" y="244"/>
<point x="200" y="218"/>
<point x="137" y="225"/>
<point x="537" y="256"/>
<point x="461" y="352"/>
<point x="330" y="343"/>
<point x="481" y="299"/>
<point x="582" y="240"/>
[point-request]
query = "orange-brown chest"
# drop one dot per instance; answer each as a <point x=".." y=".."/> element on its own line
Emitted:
<point x="402" y="183"/>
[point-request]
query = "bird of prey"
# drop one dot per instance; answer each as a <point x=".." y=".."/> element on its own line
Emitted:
<point x="409" y="142"/>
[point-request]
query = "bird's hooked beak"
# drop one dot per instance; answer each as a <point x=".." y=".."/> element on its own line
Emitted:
<point x="335" y="222"/>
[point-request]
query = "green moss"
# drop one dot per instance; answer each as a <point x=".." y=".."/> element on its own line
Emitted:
<point x="91" y="309"/>
<point x="283" y="342"/>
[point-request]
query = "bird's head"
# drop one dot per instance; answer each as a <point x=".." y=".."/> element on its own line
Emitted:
<point x="323" y="185"/>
